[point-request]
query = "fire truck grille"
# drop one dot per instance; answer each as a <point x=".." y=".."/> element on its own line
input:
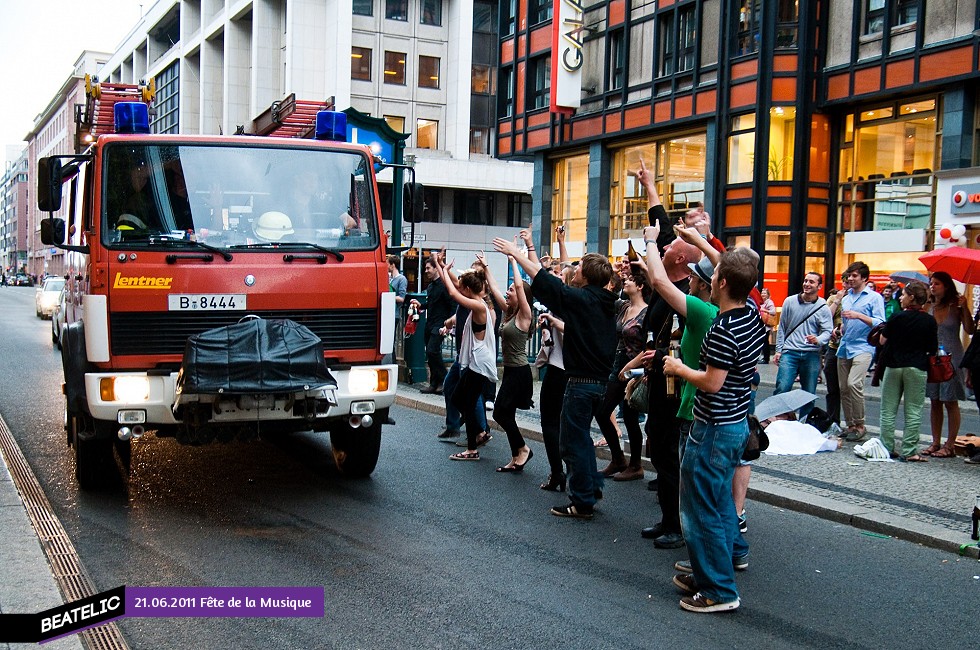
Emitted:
<point x="167" y="332"/>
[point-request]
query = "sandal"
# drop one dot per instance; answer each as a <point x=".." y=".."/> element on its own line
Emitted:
<point x="483" y="439"/>
<point x="945" y="452"/>
<point x="930" y="450"/>
<point x="466" y="455"/>
<point x="601" y="442"/>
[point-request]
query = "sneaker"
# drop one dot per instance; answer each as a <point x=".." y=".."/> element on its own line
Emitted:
<point x="700" y="603"/>
<point x="743" y="526"/>
<point x="572" y="510"/>
<point x="449" y="435"/>
<point x="685" y="582"/>
<point x="488" y="405"/>
<point x="855" y="434"/>
<point x="973" y="460"/>
<point x="669" y="540"/>
<point x="684" y="566"/>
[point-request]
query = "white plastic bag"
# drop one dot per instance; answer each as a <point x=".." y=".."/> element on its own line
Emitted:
<point x="873" y="450"/>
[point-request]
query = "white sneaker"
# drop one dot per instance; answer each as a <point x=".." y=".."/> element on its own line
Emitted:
<point x="488" y="405"/>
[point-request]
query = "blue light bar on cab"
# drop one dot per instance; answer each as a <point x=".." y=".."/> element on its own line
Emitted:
<point x="331" y="125"/>
<point x="131" y="117"/>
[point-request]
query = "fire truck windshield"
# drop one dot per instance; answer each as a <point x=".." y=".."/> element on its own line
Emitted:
<point x="235" y="196"/>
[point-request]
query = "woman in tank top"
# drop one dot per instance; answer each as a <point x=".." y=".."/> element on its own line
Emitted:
<point x="516" y="389"/>
<point x="477" y="348"/>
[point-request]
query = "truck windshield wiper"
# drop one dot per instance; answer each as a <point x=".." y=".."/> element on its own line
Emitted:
<point x="292" y="245"/>
<point x="172" y="241"/>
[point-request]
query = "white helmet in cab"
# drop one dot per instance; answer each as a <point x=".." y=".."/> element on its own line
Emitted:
<point x="273" y="226"/>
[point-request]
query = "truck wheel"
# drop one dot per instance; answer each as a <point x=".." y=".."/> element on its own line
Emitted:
<point x="94" y="464"/>
<point x="356" y="450"/>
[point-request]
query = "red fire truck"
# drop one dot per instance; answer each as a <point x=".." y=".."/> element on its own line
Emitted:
<point x="220" y="287"/>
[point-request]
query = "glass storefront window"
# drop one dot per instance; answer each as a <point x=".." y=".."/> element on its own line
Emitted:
<point x="678" y="164"/>
<point x="741" y="157"/>
<point x="782" y="134"/>
<point x="571" y="201"/>
<point x="886" y="171"/>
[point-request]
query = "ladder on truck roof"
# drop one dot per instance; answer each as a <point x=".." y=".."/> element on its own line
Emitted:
<point x="95" y="117"/>
<point x="291" y="117"/>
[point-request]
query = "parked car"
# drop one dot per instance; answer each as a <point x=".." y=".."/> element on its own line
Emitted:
<point x="58" y="318"/>
<point x="47" y="295"/>
<point x="20" y="280"/>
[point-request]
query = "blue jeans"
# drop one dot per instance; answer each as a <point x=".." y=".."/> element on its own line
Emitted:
<point x="454" y="421"/>
<point x="581" y="404"/>
<point x="707" y="509"/>
<point x="804" y="364"/>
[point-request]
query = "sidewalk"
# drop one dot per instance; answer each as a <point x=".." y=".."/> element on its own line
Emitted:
<point x="926" y="503"/>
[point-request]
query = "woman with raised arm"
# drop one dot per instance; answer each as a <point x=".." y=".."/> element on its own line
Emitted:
<point x="516" y="388"/>
<point x="477" y="349"/>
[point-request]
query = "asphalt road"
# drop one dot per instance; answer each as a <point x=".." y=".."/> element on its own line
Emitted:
<point x="434" y="554"/>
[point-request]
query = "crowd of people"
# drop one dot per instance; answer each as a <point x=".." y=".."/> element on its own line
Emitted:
<point x="687" y="326"/>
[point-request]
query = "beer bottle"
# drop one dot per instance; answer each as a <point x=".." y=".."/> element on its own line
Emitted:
<point x="631" y="253"/>
<point x="976" y="519"/>
<point x="673" y="383"/>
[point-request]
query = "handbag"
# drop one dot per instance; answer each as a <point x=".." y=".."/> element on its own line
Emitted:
<point x="874" y="336"/>
<point x="940" y="368"/>
<point x="757" y="441"/>
<point x="638" y="395"/>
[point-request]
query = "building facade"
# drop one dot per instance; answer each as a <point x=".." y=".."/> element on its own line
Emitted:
<point x="428" y="67"/>
<point x="54" y="134"/>
<point x="812" y="130"/>
<point x="14" y="193"/>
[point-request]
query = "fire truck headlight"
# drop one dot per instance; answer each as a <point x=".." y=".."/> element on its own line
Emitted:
<point x="362" y="381"/>
<point x="124" y="389"/>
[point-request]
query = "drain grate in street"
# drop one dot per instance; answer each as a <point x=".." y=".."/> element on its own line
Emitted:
<point x="72" y="579"/>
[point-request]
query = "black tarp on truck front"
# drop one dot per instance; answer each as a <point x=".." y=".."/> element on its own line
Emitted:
<point x="255" y="356"/>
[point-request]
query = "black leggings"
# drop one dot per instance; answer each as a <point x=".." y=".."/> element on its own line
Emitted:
<point x="470" y="387"/>
<point x="515" y="392"/>
<point x="552" y="395"/>
<point x="615" y="391"/>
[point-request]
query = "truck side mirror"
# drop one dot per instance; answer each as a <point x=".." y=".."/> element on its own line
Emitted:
<point x="414" y="202"/>
<point x="49" y="177"/>
<point x="52" y="231"/>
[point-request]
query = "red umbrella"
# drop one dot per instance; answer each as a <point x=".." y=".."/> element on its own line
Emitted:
<point x="962" y="264"/>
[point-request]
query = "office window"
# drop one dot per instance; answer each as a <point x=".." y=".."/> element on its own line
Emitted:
<point x="539" y="83"/>
<point x="741" y="149"/>
<point x="483" y="16"/>
<point x="874" y="17"/>
<point x="687" y="37"/>
<point x="747" y="38"/>
<point x="481" y="79"/>
<point x="360" y="63"/>
<point x="167" y="100"/>
<point x="473" y="208"/>
<point x="505" y="98"/>
<point x="480" y="140"/>
<point x="617" y="59"/>
<point x="395" y="68"/>
<point x="430" y="12"/>
<point x="787" y="19"/>
<point x="363" y="7"/>
<point x="665" y="35"/>
<point x="782" y="142"/>
<point x="426" y="134"/>
<point x="508" y="17"/>
<point x="906" y="12"/>
<point x="518" y="210"/>
<point x="539" y="11"/>
<point x="396" y="9"/>
<point x="428" y="72"/>
<point x="396" y="123"/>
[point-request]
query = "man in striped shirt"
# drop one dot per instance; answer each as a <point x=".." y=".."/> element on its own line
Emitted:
<point x="714" y="447"/>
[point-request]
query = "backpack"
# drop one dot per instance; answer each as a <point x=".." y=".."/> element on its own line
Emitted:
<point x="819" y="419"/>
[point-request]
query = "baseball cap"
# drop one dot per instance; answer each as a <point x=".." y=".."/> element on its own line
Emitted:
<point x="703" y="269"/>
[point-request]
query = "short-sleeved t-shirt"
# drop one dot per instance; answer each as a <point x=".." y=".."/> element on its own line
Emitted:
<point x="733" y="343"/>
<point x="700" y="315"/>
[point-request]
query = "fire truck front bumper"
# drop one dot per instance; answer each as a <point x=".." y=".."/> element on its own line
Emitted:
<point x="151" y="400"/>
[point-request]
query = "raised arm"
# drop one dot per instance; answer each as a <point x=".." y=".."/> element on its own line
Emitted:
<point x="692" y="235"/>
<point x="532" y="254"/>
<point x="507" y="247"/>
<point x="562" y="251"/>
<point x="658" y="274"/>
<point x="495" y="293"/>
<point x="524" y="307"/>
<point x="473" y="304"/>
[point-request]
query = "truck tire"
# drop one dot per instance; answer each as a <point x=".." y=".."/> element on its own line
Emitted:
<point x="355" y="451"/>
<point x="95" y="467"/>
